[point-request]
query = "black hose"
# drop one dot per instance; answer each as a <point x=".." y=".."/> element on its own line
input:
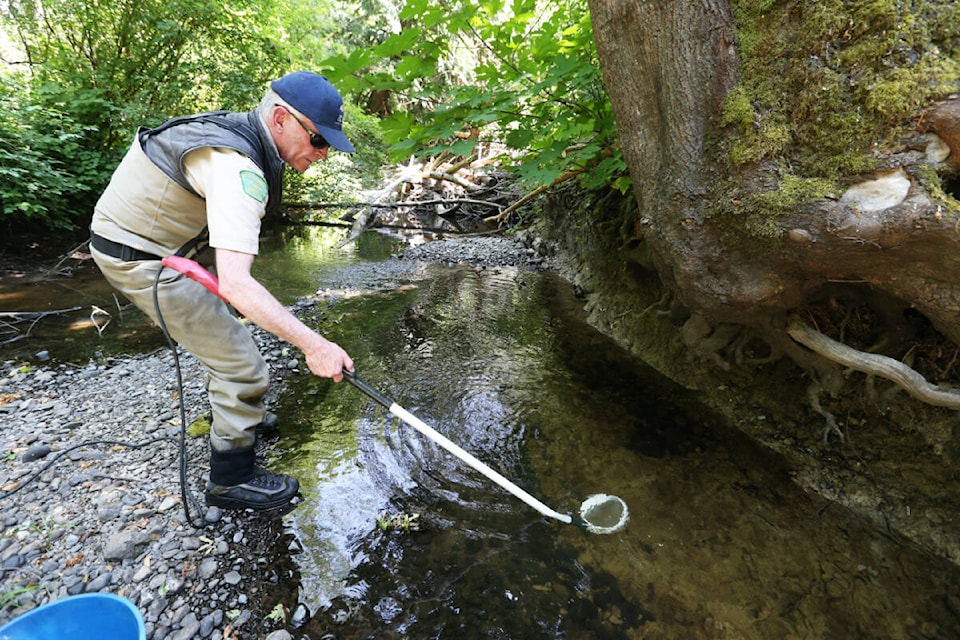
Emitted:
<point x="89" y="443"/>
<point x="185" y="494"/>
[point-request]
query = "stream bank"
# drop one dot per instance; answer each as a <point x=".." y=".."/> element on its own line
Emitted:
<point x="896" y="464"/>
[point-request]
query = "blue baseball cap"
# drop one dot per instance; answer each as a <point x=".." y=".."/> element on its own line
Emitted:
<point x="312" y="95"/>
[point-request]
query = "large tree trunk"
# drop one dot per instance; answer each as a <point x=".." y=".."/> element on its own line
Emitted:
<point x="668" y="67"/>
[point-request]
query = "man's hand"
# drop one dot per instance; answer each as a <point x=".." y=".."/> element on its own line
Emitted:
<point x="249" y="297"/>
<point x="328" y="359"/>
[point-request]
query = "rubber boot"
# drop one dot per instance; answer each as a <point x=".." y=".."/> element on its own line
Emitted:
<point x="270" y="425"/>
<point x="237" y="483"/>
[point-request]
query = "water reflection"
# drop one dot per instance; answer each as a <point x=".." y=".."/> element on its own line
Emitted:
<point x="721" y="543"/>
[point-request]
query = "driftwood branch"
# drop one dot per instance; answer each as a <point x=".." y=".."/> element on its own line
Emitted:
<point x="533" y="194"/>
<point x="10" y="319"/>
<point x="22" y="316"/>
<point x="894" y="370"/>
<point x="466" y="184"/>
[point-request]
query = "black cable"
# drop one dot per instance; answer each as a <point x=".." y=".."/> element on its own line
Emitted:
<point x="89" y="443"/>
<point x="185" y="494"/>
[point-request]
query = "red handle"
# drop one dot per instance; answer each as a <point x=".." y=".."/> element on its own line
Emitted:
<point x="195" y="272"/>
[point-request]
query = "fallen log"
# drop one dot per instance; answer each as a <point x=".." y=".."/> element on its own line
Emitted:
<point x="23" y="316"/>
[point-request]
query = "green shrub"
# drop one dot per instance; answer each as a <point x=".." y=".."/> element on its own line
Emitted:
<point x="49" y="177"/>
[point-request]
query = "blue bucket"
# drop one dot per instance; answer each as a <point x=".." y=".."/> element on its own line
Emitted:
<point x="91" y="616"/>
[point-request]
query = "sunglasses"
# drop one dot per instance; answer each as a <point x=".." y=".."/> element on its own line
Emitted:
<point x="317" y="141"/>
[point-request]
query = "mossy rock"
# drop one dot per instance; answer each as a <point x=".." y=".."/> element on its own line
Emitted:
<point x="199" y="427"/>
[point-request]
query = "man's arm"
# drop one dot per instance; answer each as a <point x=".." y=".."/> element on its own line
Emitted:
<point x="253" y="300"/>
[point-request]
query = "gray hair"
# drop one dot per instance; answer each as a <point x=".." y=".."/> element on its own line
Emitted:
<point x="271" y="100"/>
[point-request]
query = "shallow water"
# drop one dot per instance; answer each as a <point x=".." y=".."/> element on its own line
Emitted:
<point x="77" y="305"/>
<point x="398" y="539"/>
<point x="720" y="544"/>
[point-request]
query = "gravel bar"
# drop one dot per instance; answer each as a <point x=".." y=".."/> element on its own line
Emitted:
<point x="109" y="517"/>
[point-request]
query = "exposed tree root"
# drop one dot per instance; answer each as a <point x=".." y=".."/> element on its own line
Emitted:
<point x="813" y="395"/>
<point x="894" y="370"/>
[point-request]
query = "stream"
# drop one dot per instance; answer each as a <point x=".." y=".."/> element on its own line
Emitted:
<point x="396" y="538"/>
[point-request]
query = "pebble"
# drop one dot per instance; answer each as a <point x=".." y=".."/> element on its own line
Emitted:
<point x="106" y="518"/>
<point x="36" y="452"/>
<point x="125" y="545"/>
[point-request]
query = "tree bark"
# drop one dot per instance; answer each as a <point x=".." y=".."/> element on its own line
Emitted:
<point x="667" y="67"/>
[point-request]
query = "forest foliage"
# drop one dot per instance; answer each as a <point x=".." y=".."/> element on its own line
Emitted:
<point x="78" y="78"/>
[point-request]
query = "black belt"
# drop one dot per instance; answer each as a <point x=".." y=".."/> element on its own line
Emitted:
<point x="119" y="251"/>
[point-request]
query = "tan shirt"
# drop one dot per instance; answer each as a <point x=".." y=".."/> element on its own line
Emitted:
<point x="233" y="215"/>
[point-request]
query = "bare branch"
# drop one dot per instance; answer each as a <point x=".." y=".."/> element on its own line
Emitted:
<point x="22" y="316"/>
<point x="389" y="205"/>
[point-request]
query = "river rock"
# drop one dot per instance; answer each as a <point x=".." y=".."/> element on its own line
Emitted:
<point x="125" y="545"/>
<point x="883" y="192"/>
<point x="36" y="452"/>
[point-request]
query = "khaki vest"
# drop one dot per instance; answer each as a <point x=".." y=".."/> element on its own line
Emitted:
<point x="149" y="204"/>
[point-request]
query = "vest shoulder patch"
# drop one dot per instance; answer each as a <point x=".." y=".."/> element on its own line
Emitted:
<point x="254" y="185"/>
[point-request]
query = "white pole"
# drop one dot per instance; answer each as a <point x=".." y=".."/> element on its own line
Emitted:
<point x="444" y="442"/>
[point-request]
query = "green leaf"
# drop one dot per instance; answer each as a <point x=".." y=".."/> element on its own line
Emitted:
<point x="400" y="43"/>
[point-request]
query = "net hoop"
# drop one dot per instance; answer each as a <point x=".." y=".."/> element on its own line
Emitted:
<point x="604" y="513"/>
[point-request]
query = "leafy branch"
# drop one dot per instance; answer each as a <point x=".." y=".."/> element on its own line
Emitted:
<point x="523" y="76"/>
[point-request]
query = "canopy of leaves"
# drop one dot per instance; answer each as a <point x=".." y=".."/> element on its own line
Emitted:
<point x="521" y="79"/>
<point x="45" y="170"/>
<point x="150" y="59"/>
<point x="81" y="76"/>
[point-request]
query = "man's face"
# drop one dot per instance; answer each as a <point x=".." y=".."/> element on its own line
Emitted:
<point x="297" y="140"/>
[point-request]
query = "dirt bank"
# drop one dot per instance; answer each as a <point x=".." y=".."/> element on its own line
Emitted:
<point x="892" y="459"/>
